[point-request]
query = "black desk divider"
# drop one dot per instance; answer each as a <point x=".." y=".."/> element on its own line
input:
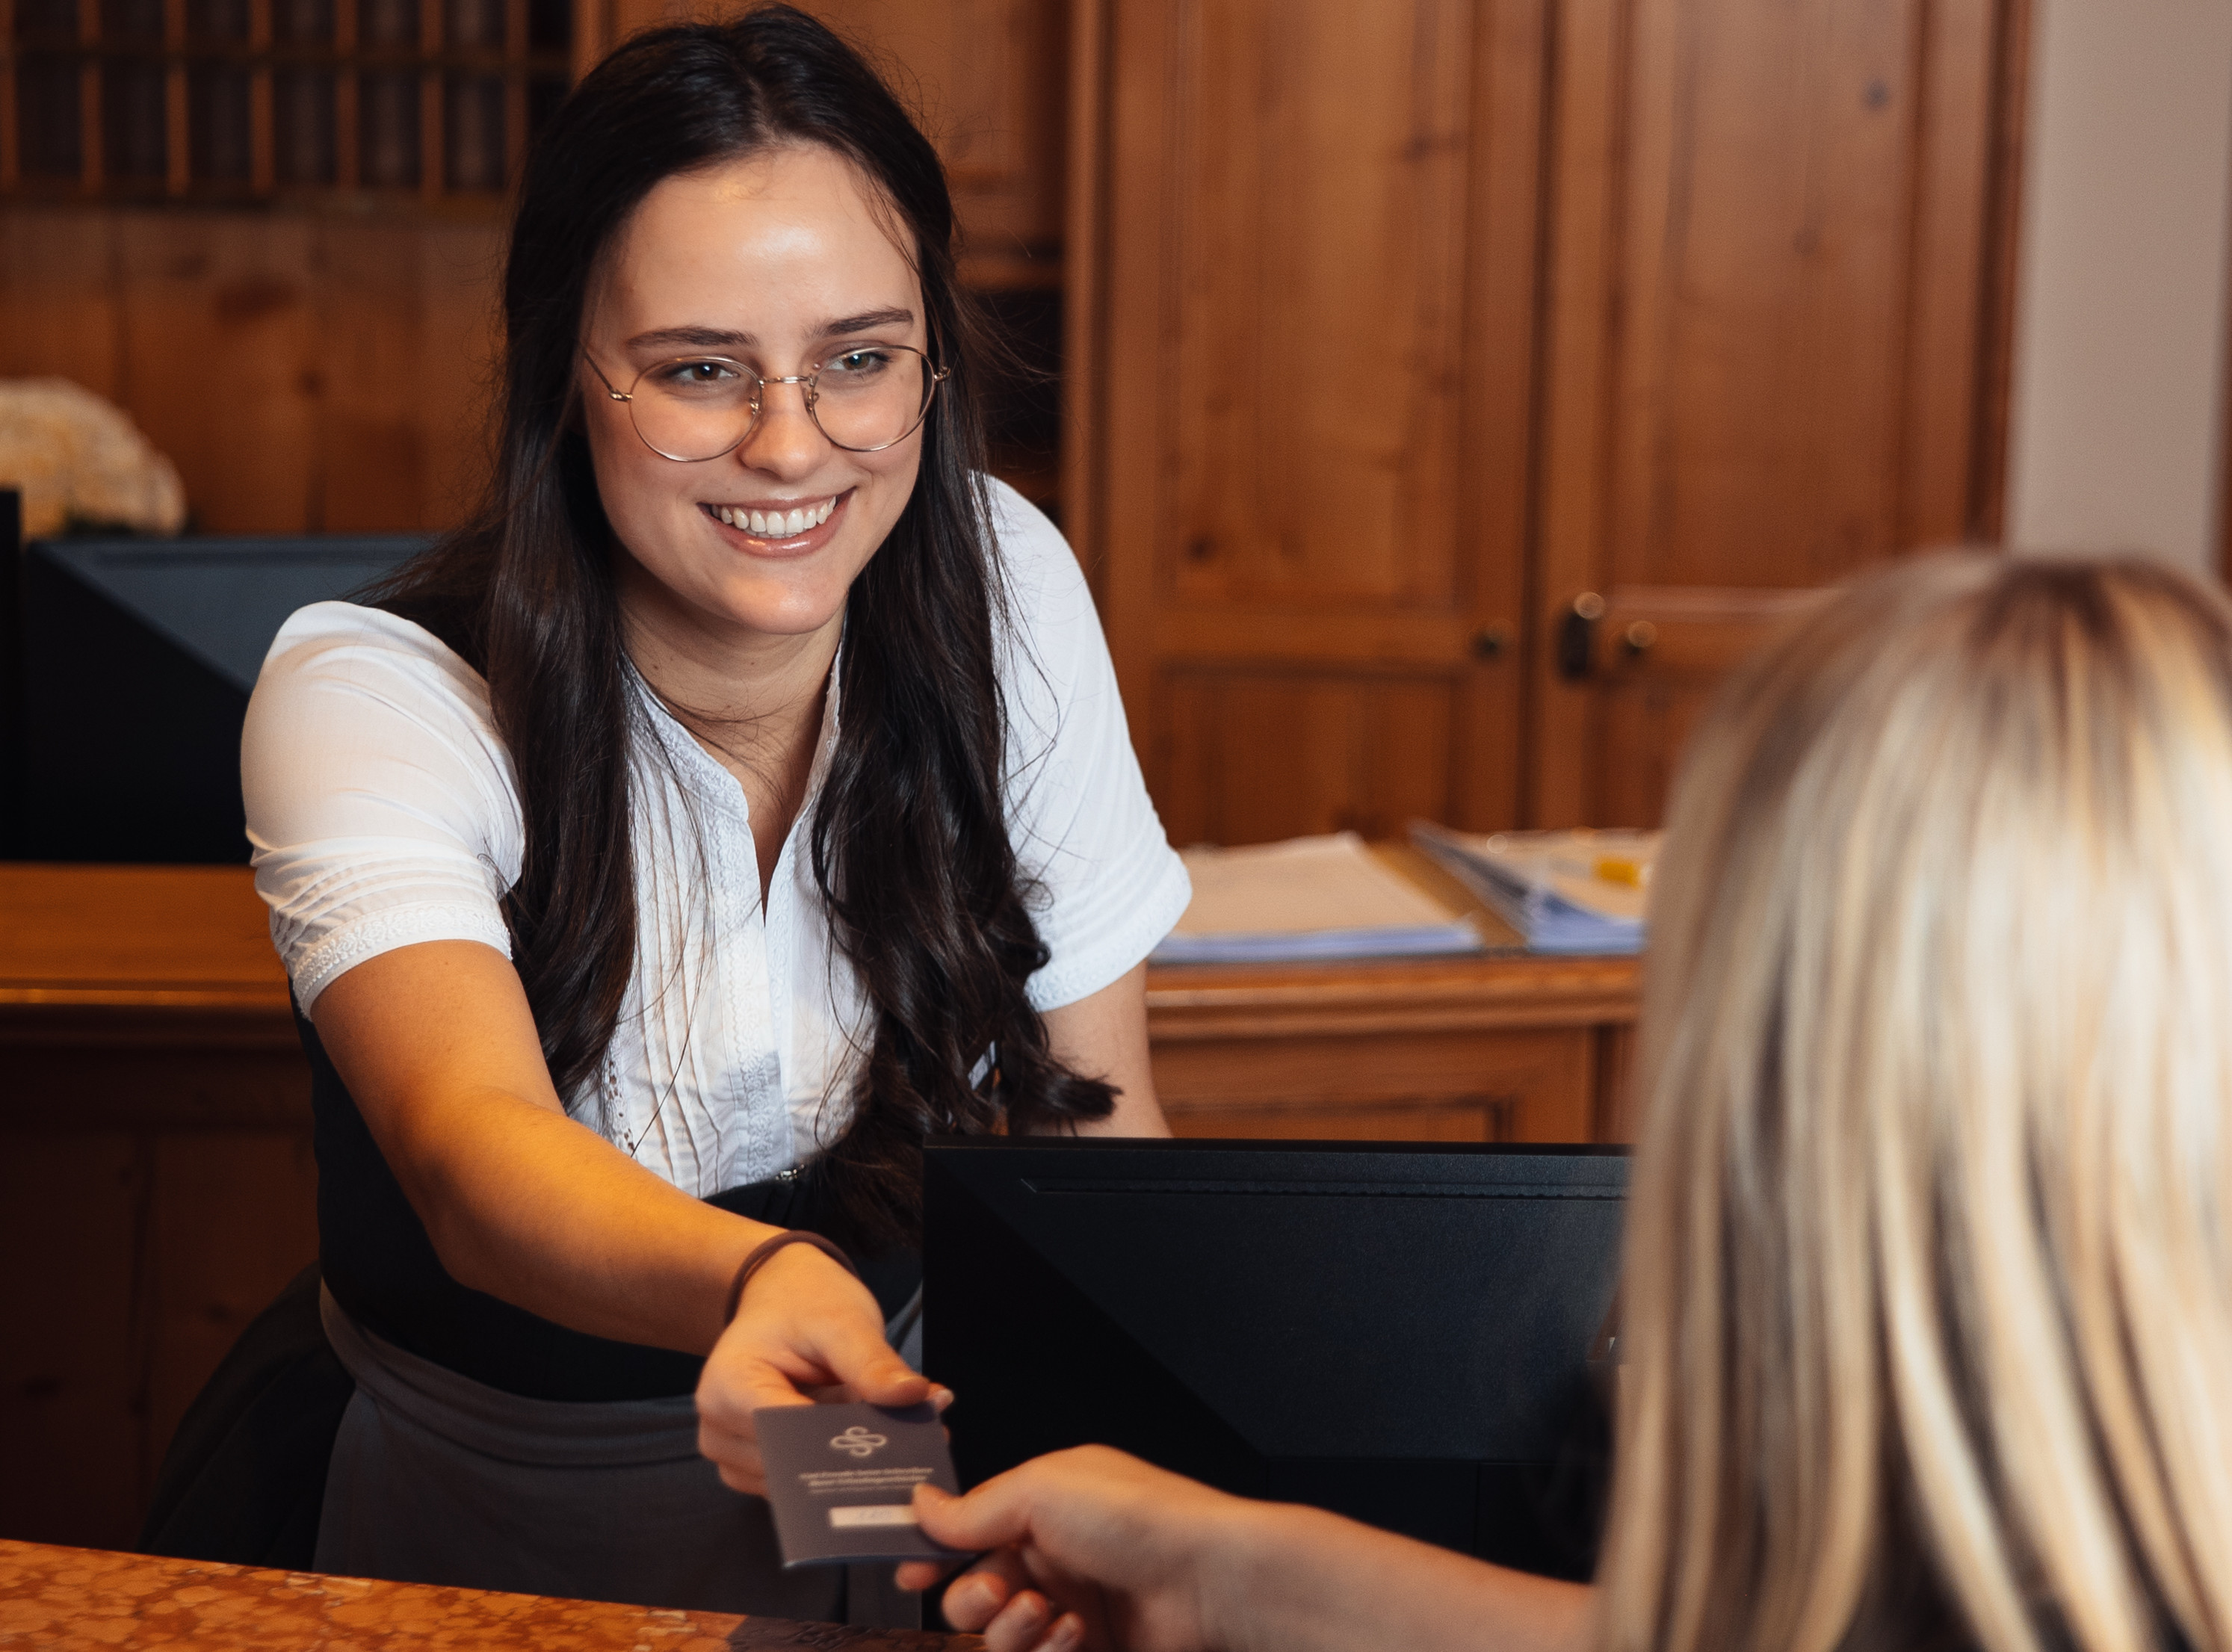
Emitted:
<point x="132" y="661"/>
<point x="1416" y="1335"/>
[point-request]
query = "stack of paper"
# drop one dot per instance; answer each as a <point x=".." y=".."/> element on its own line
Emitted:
<point x="1565" y="892"/>
<point x="1309" y="898"/>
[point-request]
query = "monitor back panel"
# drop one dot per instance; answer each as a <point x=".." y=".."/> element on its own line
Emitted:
<point x="1402" y="1334"/>
<point x="130" y="663"/>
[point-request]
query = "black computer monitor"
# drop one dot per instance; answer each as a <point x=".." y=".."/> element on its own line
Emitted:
<point x="1416" y="1336"/>
<point x="127" y="666"/>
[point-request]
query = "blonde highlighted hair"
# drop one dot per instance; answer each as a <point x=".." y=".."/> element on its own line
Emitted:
<point x="1929" y="1279"/>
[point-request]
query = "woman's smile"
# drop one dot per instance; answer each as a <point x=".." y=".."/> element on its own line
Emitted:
<point x="781" y="527"/>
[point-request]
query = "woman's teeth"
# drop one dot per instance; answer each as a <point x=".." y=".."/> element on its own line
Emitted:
<point x="775" y="524"/>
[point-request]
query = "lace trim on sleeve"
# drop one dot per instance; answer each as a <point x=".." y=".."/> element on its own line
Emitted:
<point x="377" y="932"/>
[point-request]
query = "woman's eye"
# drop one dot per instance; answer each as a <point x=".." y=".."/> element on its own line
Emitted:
<point x="696" y="375"/>
<point x="858" y="363"/>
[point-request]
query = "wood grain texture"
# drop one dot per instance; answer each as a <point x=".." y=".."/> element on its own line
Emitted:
<point x="1312" y="378"/>
<point x="1085" y="252"/>
<point x="81" y="1600"/>
<point x="985" y="80"/>
<point x="144" y="936"/>
<point x="60" y="312"/>
<point x="156" y="1181"/>
<point x="306" y="373"/>
<point x="1773" y="334"/>
<point x="232" y="1216"/>
<point x="1536" y="1086"/>
<point x="1252" y="757"/>
<point x="238" y="412"/>
<point x="72" y="1417"/>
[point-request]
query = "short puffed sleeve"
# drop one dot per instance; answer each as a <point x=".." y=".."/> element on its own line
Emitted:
<point x="382" y="808"/>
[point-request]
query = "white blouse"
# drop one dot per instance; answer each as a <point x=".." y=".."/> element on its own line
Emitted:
<point x="383" y="811"/>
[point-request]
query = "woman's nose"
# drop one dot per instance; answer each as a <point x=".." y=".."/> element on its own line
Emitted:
<point x="784" y="440"/>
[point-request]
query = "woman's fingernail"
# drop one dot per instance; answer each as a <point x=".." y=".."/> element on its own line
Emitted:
<point x="926" y="1492"/>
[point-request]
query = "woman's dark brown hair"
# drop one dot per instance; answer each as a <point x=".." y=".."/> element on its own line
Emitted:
<point x="909" y="833"/>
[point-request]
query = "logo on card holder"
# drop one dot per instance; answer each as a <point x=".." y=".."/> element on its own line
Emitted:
<point x="858" y="1441"/>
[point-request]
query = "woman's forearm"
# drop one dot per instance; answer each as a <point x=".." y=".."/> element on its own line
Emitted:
<point x="1104" y="1036"/>
<point x="1279" y="1577"/>
<point x="533" y="1208"/>
<point x="442" y="1058"/>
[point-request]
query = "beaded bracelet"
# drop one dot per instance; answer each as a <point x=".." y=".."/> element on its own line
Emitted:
<point x="765" y="1250"/>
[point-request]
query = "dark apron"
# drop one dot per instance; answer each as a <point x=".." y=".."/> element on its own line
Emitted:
<point x="245" y="1476"/>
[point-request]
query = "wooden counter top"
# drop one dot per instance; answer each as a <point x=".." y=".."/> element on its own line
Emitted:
<point x="141" y="952"/>
<point x="91" y="1600"/>
<point x="157" y="952"/>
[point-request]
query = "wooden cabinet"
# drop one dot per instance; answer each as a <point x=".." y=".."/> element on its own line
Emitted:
<point x="1308" y="431"/>
<point x="1774" y="335"/>
<point x="1441" y="1050"/>
<point x="1415" y="322"/>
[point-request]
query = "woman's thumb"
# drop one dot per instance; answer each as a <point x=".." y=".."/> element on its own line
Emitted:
<point x="865" y="1363"/>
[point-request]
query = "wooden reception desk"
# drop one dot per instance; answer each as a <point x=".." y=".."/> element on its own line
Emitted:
<point x="156" y="1183"/>
<point x="78" y="1600"/>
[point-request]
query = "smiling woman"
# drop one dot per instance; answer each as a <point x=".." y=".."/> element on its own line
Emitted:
<point x="742" y="796"/>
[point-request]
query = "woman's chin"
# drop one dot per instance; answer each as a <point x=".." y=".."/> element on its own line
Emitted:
<point x="778" y="613"/>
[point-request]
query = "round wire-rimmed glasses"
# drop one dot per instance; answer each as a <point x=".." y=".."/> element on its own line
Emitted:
<point x="864" y="398"/>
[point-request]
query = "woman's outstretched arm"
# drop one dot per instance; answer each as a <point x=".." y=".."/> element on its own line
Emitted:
<point x="439" y="1052"/>
<point x="1095" y="1551"/>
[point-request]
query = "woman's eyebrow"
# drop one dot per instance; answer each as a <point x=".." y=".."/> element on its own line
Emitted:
<point x="867" y="318"/>
<point x="715" y="338"/>
<point x="703" y="338"/>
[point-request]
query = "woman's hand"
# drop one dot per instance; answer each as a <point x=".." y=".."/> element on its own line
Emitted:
<point x="1094" y="1550"/>
<point x="806" y="1330"/>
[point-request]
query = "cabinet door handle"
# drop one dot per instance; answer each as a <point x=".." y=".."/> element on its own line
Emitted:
<point x="1577" y="636"/>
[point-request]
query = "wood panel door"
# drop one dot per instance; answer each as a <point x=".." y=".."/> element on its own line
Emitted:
<point x="1775" y="333"/>
<point x="1314" y="281"/>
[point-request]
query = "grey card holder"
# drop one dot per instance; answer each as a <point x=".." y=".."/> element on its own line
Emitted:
<point x="841" y="1479"/>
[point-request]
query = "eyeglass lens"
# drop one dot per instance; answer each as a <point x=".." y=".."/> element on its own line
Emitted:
<point x="699" y="407"/>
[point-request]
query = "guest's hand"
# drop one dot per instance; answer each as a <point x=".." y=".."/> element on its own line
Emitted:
<point x="806" y="1331"/>
<point x="1093" y="1551"/>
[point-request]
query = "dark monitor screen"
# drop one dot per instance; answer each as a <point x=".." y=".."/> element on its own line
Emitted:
<point x="1414" y="1335"/>
<point x="129" y="663"/>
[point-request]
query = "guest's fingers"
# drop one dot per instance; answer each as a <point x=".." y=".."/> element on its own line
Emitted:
<point x="1021" y="1625"/>
<point x="977" y="1596"/>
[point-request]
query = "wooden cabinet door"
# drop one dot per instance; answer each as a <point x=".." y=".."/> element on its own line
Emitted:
<point x="1313" y="283"/>
<point x="1775" y="344"/>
